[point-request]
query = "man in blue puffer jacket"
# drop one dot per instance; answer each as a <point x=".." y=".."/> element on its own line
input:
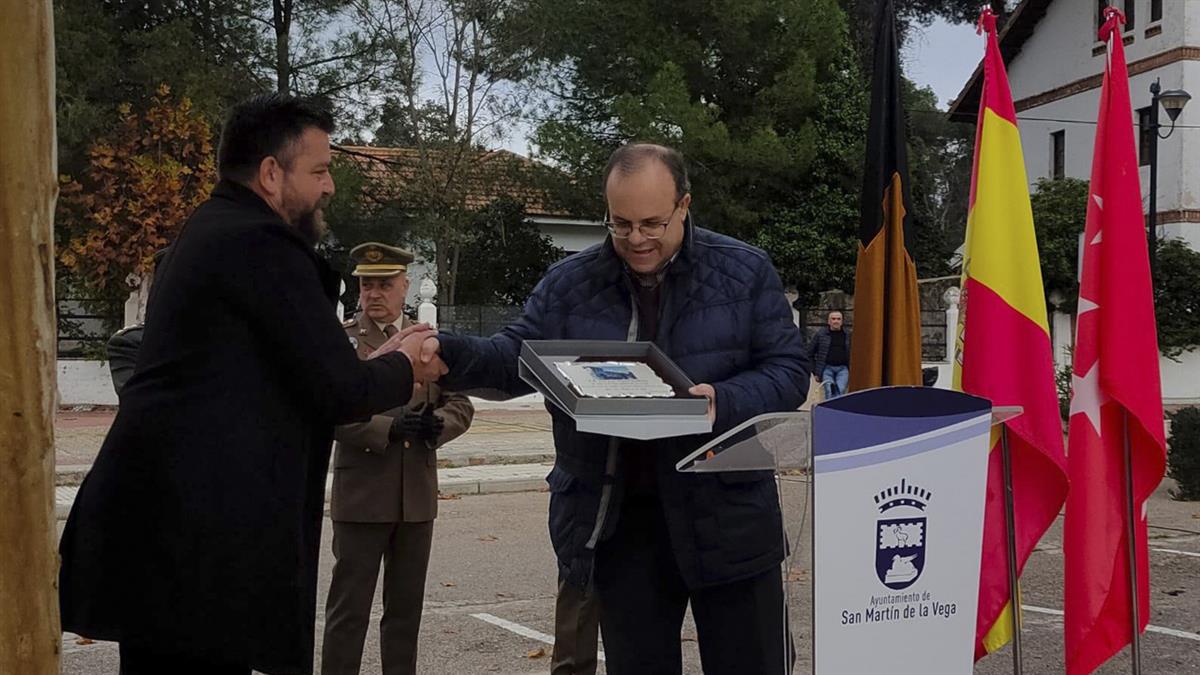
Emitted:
<point x="649" y="538"/>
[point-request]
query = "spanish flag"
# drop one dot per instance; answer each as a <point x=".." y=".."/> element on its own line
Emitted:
<point x="887" y="310"/>
<point x="1003" y="348"/>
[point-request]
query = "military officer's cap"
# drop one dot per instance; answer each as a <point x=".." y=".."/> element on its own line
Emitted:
<point x="373" y="259"/>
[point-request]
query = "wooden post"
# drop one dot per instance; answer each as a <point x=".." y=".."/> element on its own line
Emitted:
<point x="30" y="634"/>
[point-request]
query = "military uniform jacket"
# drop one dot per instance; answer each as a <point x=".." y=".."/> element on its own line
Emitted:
<point x="376" y="481"/>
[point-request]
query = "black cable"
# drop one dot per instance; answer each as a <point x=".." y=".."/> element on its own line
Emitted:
<point x="1025" y="118"/>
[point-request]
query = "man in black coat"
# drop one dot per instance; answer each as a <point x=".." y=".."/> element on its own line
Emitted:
<point x="194" y="539"/>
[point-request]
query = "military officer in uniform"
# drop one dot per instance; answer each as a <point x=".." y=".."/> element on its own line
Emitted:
<point x="384" y="487"/>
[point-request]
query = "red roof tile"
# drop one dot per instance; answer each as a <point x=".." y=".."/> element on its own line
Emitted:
<point x="490" y="174"/>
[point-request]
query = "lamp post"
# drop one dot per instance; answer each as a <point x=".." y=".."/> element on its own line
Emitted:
<point x="1173" y="101"/>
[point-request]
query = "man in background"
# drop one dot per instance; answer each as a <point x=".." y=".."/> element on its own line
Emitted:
<point x="385" y="487"/>
<point x="829" y="351"/>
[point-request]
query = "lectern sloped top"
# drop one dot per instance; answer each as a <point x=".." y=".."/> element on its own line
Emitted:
<point x="783" y="441"/>
<point x="774" y="441"/>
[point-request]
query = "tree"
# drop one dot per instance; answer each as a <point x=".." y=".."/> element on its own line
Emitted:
<point x="910" y="13"/>
<point x="400" y="127"/>
<point x="446" y="99"/>
<point x="1177" y="305"/>
<point x="940" y="155"/>
<point x="1059" y="214"/>
<point x="30" y="632"/>
<point x="807" y="246"/>
<point x="142" y="183"/>
<point x="120" y="51"/>
<point x="317" y="48"/>
<point x="513" y="256"/>
<point x="770" y="115"/>
<point x="813" y="240"/>
<point x="355" y="216"/>
<point x="954" y="11"/>
<point x="215" y="52"/>
<point x="731" y="83"/>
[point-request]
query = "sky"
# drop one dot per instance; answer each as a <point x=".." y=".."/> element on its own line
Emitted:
<point x="943" y="56"/>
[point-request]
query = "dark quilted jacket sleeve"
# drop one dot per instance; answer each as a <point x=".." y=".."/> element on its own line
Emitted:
<point x="487" y="367"/>
<point x="777" y="379"/>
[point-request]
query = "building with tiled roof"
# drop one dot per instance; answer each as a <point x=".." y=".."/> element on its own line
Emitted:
<point x="1055" y="64"/>
<point x="491" y="174"/>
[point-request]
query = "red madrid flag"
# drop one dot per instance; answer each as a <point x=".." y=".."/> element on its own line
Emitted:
<point x="1115" y="390"/>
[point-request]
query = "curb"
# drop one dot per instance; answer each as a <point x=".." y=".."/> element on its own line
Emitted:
<point x="454" y="482"/>
<point x="546" y="458"/>
<point x="70" y="474"/>
<point x="496" y="486"/>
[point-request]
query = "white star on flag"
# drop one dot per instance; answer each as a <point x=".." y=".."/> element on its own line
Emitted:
<point x="1086" y="306"/>
<point x="1087" y="398"/>
<point x="1099" y="203"/>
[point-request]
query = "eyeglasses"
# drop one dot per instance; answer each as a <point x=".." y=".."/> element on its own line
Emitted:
<point x="649" y="230"/>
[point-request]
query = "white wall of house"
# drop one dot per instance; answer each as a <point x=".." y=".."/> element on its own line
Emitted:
<point x="1060" y="52"/>
<point x="570" y="235"/>
<point x="83" y="382"/>
<point x="1178" y="167"/>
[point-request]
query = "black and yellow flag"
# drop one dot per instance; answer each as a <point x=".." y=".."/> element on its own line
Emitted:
<point x="886" y="349"/>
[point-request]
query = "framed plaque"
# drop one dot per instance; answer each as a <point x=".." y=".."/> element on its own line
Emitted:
<point x="625" y="389"/>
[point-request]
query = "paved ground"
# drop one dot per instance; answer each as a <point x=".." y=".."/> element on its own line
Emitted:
<point x="507" y="449"/>
<point x="516" y="434"/>
<point x="490" y="595"/>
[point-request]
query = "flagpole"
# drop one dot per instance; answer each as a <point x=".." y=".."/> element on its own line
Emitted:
<point x="1130" y="534"/>
<point x="1010" y="522"/>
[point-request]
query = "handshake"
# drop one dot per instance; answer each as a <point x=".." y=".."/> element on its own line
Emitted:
<point x="420" y="344"/>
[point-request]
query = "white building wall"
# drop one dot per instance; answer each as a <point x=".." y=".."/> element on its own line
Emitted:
<point x="573" y="238"/>
<point x="1059" y="53"/>
<point x="1045" y="64"/>
<point x="85" y="383"/>
<point x="1178" y="163"/>
<point x="1061" y="49"/>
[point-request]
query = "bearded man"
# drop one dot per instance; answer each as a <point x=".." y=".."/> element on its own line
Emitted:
<point x="193" y="541"/>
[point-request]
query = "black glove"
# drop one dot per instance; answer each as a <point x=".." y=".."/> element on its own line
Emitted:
<point x="421" y="426"/>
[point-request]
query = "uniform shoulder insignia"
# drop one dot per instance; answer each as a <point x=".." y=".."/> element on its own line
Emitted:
<point x="348" y="323"/>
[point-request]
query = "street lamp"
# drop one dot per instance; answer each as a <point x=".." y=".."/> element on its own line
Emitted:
<point x="1173" y="101"/>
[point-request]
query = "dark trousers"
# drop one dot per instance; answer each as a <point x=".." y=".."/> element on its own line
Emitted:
<point x="740" y="626"/>
<point x="139" y="661"/>
<point x="357" y="550"/>
<point x="576" y="630"/>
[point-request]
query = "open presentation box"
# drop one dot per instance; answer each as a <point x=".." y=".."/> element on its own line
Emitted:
<point x="638" y="418"/>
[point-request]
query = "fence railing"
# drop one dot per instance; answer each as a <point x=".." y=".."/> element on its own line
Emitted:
<point x="82" y="332"/>
<point x="482" y="320"/>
